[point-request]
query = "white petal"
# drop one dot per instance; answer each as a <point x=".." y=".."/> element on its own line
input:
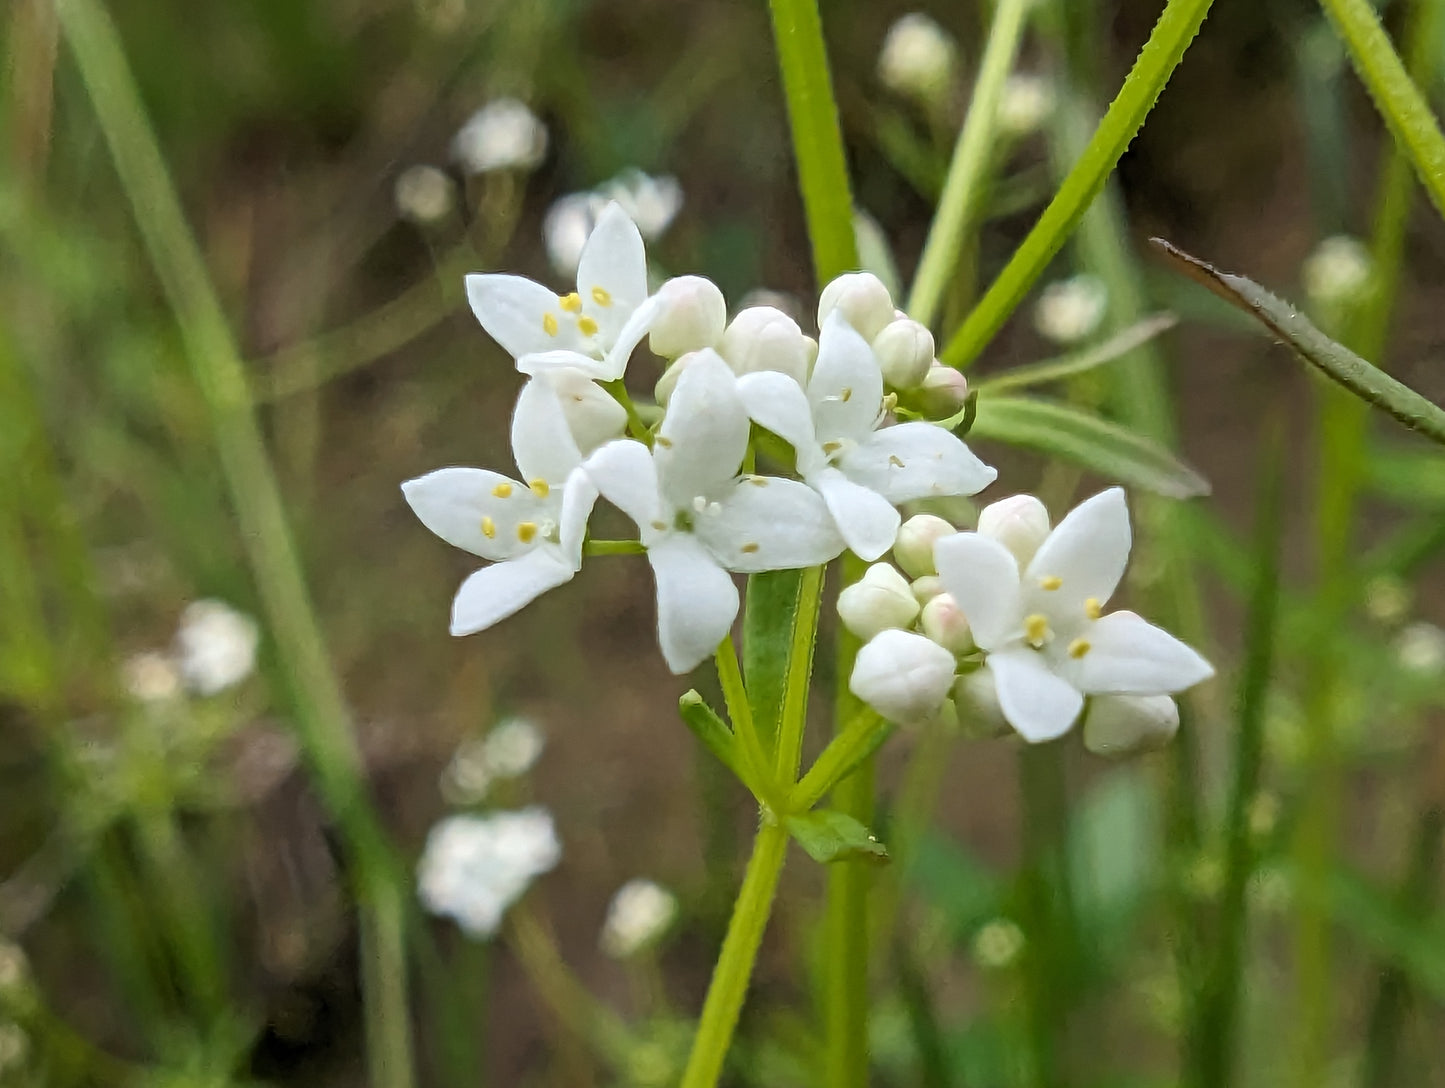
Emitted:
<point x="625" y="475"/>
<point x="866" y="519"/>
<point x="612" y="272"/>
<point x="1119" y="725"/>
<point x="1037" y="702"/>
<point x="542" y="443"/>
<point x="593" y="416"/>
<point x="1128" y="656"/>
<point x="983" y="578"/>
<point x="768" y="523"/>
<point x="514" y="310"/>
<point x="704" y="435"/>
<point x="494" y="593"/>
<point x="579" y="495"/>
<point x="639" y="323"/>
<point x="541" y="362"/>
<point x="1086" y="552"/>
<point x="916" y="461"/>
<point x="776" y="402"/>
<point x="696" y="601"/>
<point x="846" y="389"/>
<point x="475" y="509"/>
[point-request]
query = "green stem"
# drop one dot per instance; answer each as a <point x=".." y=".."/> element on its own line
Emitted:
<point x="636" y="425"/>
<point x="1176" y="28"/>
<point x="613" y="547"/>
<point x="323" y="721"/>
<point x="735" y="695"/>
<point x="734" y="966"/>
<point x="972" y="156"/>
<point x="817" y="140"/>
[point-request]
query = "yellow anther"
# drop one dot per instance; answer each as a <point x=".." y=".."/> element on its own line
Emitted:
<point x="847" y="394"/>
<point x="489" y="528"/>
<point x="895" y="460"/>
<point x="586" y="326"/>
<point x="571" y="303"/>
<point x="1036" y="629"/>
<point x="663" y="441"/>
<point x="1051" y="581"/>
<point x="526" y="531"/>
<point x="601" y="296"/>
<point x="539" y="488"/>
<point x="832" y="447"/>
<point x="758" y="481"/>
<point x="1078" y="648"/>
<point x="659" y="525"/>
<point x="502" y="490"/>
<point x="549" y="324"/>
<point x="1092" y="608"/>
<point x="749" y="548"/>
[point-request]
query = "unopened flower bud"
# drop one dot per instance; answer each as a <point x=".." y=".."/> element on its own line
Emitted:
<point x="943" y="621"/>
<point x="905" y="353"/>
<point x="502" y="135"/>
<point x="1119" y="725"/>
<point x="692" y="317"/>
<point x="1026" y="103"/>
<point x="943" y="391"/>
<point x="1072" y="309"/>
<point x="762" y="338"/>
<point x="917" y="59"/>
<point x="903" y="676"/>
<point x="662" y="392"/>
<point x="424" y="194"/>
<point x="1337" y="272"/>
<point x="976" y="701"/>
<point x="913" y="547"/>
<point x="926" y="588"/>
<point x="862" y="300"/>
<point x="1018" y="522"/>
<point x="881" y="599"/>
<point x="638" y="915"/>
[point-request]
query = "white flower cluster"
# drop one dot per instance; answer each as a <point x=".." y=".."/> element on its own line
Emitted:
<point x="651" y="202"/>
<point x="214" y="649"/>
<point x="475" y="867"/>
<point x="702" y="514"/>
<point x="1012" y="617"/>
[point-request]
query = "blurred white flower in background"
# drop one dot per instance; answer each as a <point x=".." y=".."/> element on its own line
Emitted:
<point x="475" y="867"/>
<point x="1072" y="309"/>
<point x="424" y="194"/>
<point x="917" y="59"/>
<point x="215" y="646"/>
<point x="509" y="750"/>
<point x="650" y="202"/>
<point x="1337" y="271"/>
<point x="502" y="135"/>
<point x="567" y="227"/>
<point x="1420" y="648"/>
<point x="640" y="913"/>
<point x="997" y="944"/>
<point x="1027" y="102"/>
<point x="150" y="677"/>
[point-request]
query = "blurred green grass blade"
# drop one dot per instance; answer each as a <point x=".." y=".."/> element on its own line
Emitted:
<point x="1085" y="439"/>
<point x="1412" y="477"/>
<point x="1176" y="28"/>
<point x="1337" y="362"/>
<point x="1371" y="914"/>
<point x="1396" y="96"/>
<point x="1113" y="856"/>
<point x="1049" y="371"/>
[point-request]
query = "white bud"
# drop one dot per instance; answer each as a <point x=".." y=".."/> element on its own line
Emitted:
<point x="944" y="622"/>
<point x="692" y="316"/>
<point x="903" y="676"/>
<point x="905" y="353"/>
<point x="762" y="338"/>
<point x="1420" y="648"/>
<point x="881" y="599"/>
<point x="997" y="944"/>
<point x="917" y="59"/>
<point x="638" y="915"/>
<point x="1072" y="309"/>
<point x="976" y="699"/>
<point x="512" y="747"/>
<point x="944" y="390"/>
<point x="662" y="392"/>
<point x="151" y="677"/>
<point x="1020" y="523"/>
<point x="592" y="415"/>
<point x="913" y="547"/>
<point x="1119" y="725"/>
<point x="650" y="202"/>
<point x="566" y="228"/>
<point x="926" y="588"/>
<point x="502" y="135"/>
<point x="1337" y="272"/>
<point x="1026" y="103"/>
<point x="424" y="194"/>
<point x="215" y="646"/>
<point x="862" y="300"/>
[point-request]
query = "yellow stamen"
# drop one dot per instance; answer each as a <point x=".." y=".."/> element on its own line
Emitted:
<point x="539" y="488"/>
<point x="502" y="490"/>
<point x="571" y="303"/>
<point x="586" y="326"/>
<point x="1036" y="629"/>
<point x="895" y="461"/>
<point x="758" y="481"/>
<point x="526" y="531"/>
<point x="847" y="394"/>
<point x="1051" y="581"/>
<point x="832" y="447"/>
<point x="1092" y="608"/>
<point x="659" y="525"/>
<point x="549" y="324"/>
<point x="601" y="296"/>
<point x="489" y="528"/>
<point x="749" y="548"/>
<point x="1078" y="648"/>
<point x="664" y="442"/>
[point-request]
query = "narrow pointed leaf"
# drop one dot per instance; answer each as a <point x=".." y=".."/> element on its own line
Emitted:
<point x="828" y="835"/>
<point x="716" y="737"/>
<point x="770" y="614"/>
<point x="1078" y="362"/>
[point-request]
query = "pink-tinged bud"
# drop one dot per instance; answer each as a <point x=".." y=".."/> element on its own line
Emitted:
<point x="945" y="624"/>
<point x="903" y="676"/>
<point x="942" y="392"/>
<point x="1121" y="725"/>
<point x="862" y="300"/>
<point x="762" y="338"/>
<point x="905" y="353"/>
<point x="913" y="549"/>
<point x="693" y="315"/>
<point x="1020" y="523"/>
<point x="879" y="600"/>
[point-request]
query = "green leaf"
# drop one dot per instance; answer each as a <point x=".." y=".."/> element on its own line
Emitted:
<point x="828" y="835"/>
<point x="1088" y="440"/>
<point x="768" y="620"/>
<point x="1338" y="363"/>
<point x="1078" y="362"/>
<point x="716" y="737"/>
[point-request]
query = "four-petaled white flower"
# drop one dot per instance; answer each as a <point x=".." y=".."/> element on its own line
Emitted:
<point x="1048" y="642"/>
<point x="861" y="469"/>
<point x="699" y="519"/>
<point x="531" y="530"/>
<point x="594" y="328"/>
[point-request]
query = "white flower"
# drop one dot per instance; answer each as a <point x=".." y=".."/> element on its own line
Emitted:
<point x="862" y="300"/>
<point x="215" y="646"/>
<point x="566" y="228"/>
<point x="1120" y="725"/>
<point x="151" y="677"/>
<point x="652" y="202"/>
<point x="475" y="867"/>
<point x="531" y="531"/>
<point x="1048" y="642"/>
<point x="1026" y="103"/>
<point x="903" y="676"/>
<point x="1337" y="271"/>
<point x="424" y="194"/>
<point x="881" y="599"/>
<point x="1420" y="648"/>
<point x="998" y="943"/>
<point x="1020" y="523"/>
<point x="913" y="548"/>
<point x="861" y="470"/>
<point x="502" y="135"/>
<point x="917" y="58"/>
<point x="512" y="747"/>
<point x="638" y="915"/>
<point x="1072" y="309"/>
<point x="698" y="519"/>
